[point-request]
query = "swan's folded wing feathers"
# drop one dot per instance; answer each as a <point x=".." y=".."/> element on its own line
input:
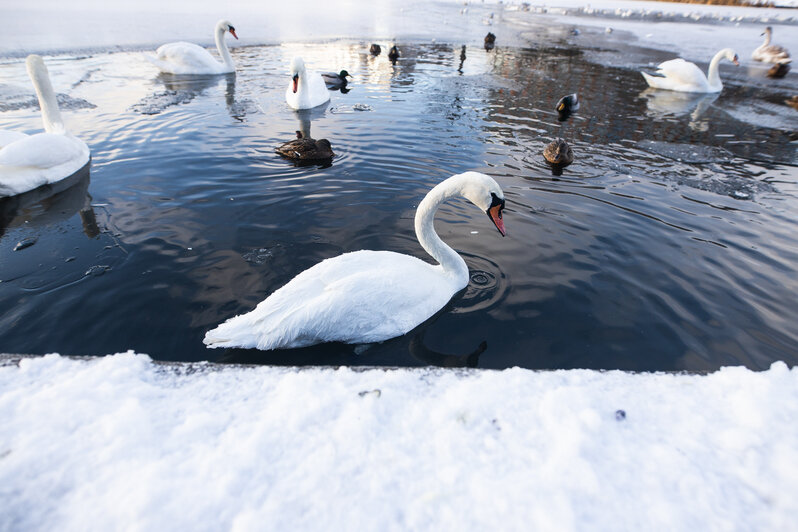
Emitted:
<point x="8" y="136"/>
<point x="185" y="57"/>
<point x="43" y="150"/>
<point x="682" y="72"/>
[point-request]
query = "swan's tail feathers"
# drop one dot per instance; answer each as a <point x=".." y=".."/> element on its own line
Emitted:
<point x="654" y="80"/>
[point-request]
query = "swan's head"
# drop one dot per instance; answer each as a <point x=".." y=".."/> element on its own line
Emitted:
<point x="297" y="70"/>
<point x="731" y="55"/>
<point x="485" y="193"/>
<point x="224" y="25"/>
<point x="767" y="31"/>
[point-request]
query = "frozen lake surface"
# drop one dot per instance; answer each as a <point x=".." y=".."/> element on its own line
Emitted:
<point x="670" y="243"/>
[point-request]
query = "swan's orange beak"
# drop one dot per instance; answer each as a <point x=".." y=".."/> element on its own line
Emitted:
<point x="296" y="80"/>
<point x="495" y="214"/>
<point x="735" y="61"/>
<point x="233" y="33"/>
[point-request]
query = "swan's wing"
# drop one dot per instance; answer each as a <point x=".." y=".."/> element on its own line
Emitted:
<point x="682" y="72"/>
<point x="184" y="58"/>
<point x="776" y="53"/>
<point x="360" y="297"/>
<point x="8" y="136"/>
<point x="319" y="93"/>
<point x="38" y="160"/>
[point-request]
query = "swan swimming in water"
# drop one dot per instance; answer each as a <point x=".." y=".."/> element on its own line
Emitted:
<point x="30" y="161"/>
<point x="684" y="76"/>
<point x="306" y="89"/>
<point x="189" y="58"/>
<point x="770" y="53"/>
<point x="366" y="296"/>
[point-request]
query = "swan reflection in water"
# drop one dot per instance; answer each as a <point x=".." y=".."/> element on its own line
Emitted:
<point x="662" y="103"/>
<point x="183" y="88"/>
<point x="51" y="204"/>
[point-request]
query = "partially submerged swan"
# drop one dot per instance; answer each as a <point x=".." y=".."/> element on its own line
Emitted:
<point x="366" y="296"/>
<point x="189" y="58"/>
<point x="684" y="76"/>
<point x="770" y="53"/>
<point x="30" y="161"/>
<point x="306" y="89"/>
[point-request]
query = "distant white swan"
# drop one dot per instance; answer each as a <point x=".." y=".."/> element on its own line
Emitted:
<point x="366" y="296"/>
<point x="28" y="162"/>
<point x="189" y="58"/>
<point x="306" y="89"/>
<point x="684" y="76"/>
<point x="770" y="53"/>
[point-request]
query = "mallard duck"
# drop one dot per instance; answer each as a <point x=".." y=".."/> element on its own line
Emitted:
<point x="393" y="54"/>
<point x="306" y="149"/>
<point x="490" y="41"/>
<point x="792" y="102"/>
<point x="567" y="105"/>
<point x="559" y="153"/>
<point x="375" y="49"/>
<point x="770" y="53"/>
<point x="335" y="81"/>
<point x="779" y="70"/>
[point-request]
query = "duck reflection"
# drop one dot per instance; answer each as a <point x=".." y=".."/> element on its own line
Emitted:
<point x="51" y="204"/>
<point x="671" y="103"/>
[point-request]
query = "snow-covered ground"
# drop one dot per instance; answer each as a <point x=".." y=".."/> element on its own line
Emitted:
<point x="123" y="443"/>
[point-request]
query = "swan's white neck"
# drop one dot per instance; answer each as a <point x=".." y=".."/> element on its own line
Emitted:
<point x="452" y="263"/>
<point x="713" y="76"/>
<point x="51" y="116"/>
<point x="767" y="39"/>
<point x="221" y="46"/>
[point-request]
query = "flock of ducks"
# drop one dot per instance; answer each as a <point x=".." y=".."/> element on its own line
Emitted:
<point x="359" y="297"/>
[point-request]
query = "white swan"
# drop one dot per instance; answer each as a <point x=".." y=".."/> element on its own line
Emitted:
<point x="770" y="53"/>
<point x="306" y="89"/>
<point x="684" y="76"/>
<point x="189" y="58"/>
<point x="28" y="162"/>
<point x="366" y="296"/>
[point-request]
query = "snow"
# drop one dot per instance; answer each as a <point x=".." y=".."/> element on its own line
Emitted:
<point x="123" y="443"/>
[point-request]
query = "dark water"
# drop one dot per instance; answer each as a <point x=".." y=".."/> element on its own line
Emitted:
<point x="671" y="243"/>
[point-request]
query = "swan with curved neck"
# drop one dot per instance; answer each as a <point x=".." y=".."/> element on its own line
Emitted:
<point x="366" y="296"/>
<point x="30" y="161"/>
<point x="770" y="53"/>
<point x="189" y="58"/>
<point x="684" y="76"/>
<point x="305" y="89"/>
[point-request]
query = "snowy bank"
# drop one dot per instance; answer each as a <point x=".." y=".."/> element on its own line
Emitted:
<point x="122" y="443"/>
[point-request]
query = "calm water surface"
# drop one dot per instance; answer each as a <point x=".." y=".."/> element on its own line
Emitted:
<point x="671" y="243"/>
